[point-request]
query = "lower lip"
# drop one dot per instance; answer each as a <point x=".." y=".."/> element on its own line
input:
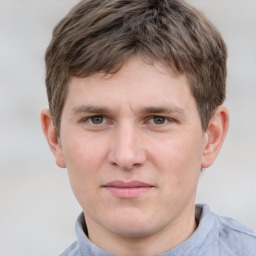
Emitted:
<point x="128" y="192"/>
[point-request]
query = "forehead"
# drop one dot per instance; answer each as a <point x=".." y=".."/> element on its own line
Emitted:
<point x="137" y="82"/>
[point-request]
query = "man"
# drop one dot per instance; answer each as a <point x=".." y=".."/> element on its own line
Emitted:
<point x="135" y="93"/>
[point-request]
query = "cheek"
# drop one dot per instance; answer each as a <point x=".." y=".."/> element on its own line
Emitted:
<point x="82" y="153"/>
<point x="83" y="160"/>
<point x="179" y="159"/>
<point x="180" y="174"/>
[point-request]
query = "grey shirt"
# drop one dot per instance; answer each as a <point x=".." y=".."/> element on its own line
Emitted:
<point x="214" y="236"/>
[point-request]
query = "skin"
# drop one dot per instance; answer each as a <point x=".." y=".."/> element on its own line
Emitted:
<point x="140" y="124"/>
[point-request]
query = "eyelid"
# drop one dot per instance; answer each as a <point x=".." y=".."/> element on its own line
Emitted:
<point x="106" y="119"/>
<point x="167" y="119"/>
<point x="88" y="119"/>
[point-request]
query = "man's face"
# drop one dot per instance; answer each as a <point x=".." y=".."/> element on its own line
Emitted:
<point x="133" y="146"/>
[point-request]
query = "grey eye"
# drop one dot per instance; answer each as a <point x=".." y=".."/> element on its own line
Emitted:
<point x="97" y="119"/>
<point x="159" y="119"/>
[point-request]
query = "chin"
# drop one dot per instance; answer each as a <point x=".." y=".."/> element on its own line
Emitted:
<point x="132" y="226"/>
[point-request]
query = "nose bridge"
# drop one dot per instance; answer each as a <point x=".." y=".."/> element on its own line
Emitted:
<point x="126" y="150"/>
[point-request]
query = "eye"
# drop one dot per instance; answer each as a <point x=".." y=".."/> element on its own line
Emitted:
<point x="96" y="119"/>
<point x="158" y="120"/>
<point x="96" y="123"/>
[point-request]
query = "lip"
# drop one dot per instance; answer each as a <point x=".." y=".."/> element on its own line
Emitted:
<point x="130" y="189"/>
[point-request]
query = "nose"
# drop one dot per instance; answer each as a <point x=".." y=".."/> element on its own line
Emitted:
<point x="126" y="149"/>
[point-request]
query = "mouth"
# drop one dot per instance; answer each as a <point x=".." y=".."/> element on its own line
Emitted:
<point x="131" y="189"/>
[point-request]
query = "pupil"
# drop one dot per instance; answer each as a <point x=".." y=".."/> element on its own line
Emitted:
<point x="97" y="119"/>
<point x="158" y="120"/>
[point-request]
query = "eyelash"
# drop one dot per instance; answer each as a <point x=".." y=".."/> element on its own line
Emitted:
<point x="150" y="120"/>
<point x="89" y="119"/>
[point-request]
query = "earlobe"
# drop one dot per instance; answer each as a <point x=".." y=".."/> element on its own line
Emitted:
<point x="52" y="137"/>
<point x="216" y="132"/>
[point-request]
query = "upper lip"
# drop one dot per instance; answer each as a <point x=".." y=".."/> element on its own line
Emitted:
<point x="127" y="184"/>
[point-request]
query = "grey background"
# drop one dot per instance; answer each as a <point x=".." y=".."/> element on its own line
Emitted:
<point x="37" y="207"/>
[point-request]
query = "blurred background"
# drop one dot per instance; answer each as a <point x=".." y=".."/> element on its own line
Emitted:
<point x="37" y="207"/>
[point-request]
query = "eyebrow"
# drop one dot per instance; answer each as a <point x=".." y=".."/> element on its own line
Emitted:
<point x="144" y="110"/>
<point x="162" y="110"/>
<point x="91" y="109"/>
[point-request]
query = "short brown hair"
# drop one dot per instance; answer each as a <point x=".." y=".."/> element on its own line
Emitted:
<point x="100" y="35"/>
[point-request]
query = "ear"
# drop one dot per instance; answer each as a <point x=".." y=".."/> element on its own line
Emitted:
<point x="215" y="135"/>
<point x="52" y="137"/>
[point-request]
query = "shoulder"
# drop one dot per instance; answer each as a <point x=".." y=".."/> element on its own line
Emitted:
<point x="236" y="237"/>
<point x="222" y="235"/>
<point x="72" y="250"/>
